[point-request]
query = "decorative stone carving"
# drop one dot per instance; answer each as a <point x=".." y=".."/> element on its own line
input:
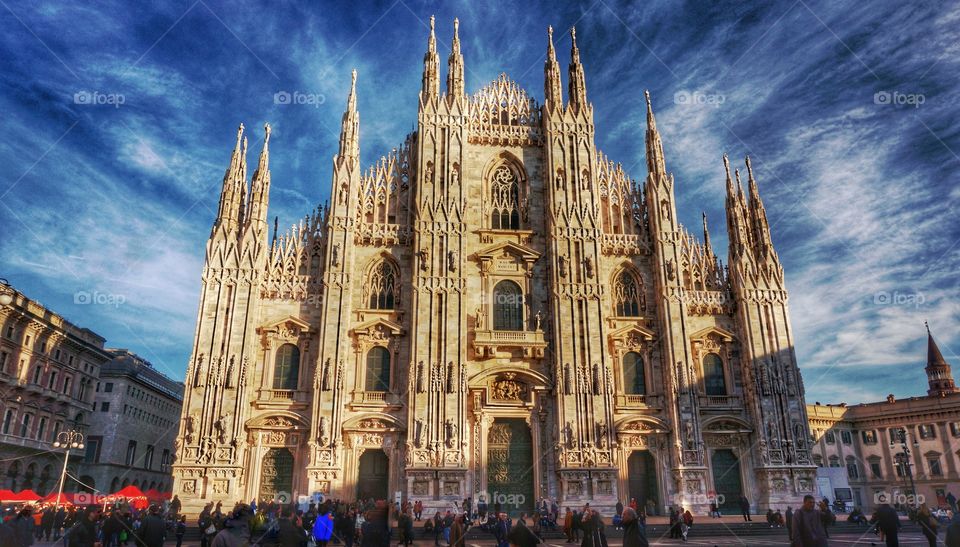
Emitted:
<point x="509" y="389"/>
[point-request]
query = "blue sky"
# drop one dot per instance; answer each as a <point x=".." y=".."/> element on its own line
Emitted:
<point x="850" y="112"/>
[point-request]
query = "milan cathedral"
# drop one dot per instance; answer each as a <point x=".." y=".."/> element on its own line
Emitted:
<point x="492" y="310"/>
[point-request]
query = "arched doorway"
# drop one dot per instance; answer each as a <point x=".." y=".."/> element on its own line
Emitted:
<point x="510" y="465"/>
<point x="372" y="477"/>
<point x="642" y="473"/>
<point x="726" y="479"/>
<point x="276" y="476"/>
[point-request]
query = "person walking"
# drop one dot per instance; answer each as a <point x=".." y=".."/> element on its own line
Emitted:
<point x="633" y="533"/>
<point x="521" y="536"/>
<point x="457" y="532"/>
<point x="236" y="529"/>
<point x="928" y="525"/>
<point x="180" y="529"/>
<point x="22" y="526"/>
<point x="952" y="536"/>
<point x="808" y="526"/>
<point x="789" y="522"/>
<point x="323" y="526"/>
<point x="288" y="533"/>
<point x="745" y="508"/>
<point x="888" y="522"/>
<point x="501" y="530"/>
<point x="153" y="531"/>
<point x="568" y="525"/>
<point x="84" y="533"/>
<point x="593" y="534"/>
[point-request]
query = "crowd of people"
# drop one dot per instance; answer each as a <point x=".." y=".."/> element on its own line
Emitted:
<point x="368" y="524"/>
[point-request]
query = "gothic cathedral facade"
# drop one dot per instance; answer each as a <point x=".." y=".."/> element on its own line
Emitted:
<point x="497" y="310"/>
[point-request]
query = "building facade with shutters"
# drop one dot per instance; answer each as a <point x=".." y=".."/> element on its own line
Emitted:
<point x="494" y="309"/>
<point x="133" y="425"/>
<point x="902" y="450"/>
<point x="48" y="374"/>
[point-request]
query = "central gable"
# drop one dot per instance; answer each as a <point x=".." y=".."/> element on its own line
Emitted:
<point x="501" y="113"/>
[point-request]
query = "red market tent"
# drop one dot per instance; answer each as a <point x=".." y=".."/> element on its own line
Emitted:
<point x="7" y="495"/>
<point x="136" y="496"/>
<point x="64" y="499"/>
<point x="26" y="495"/>
<point x="154" y="495"/>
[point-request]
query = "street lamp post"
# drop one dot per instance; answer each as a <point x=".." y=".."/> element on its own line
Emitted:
<point x="907" y="464"/>
<point x="66" y="439"/>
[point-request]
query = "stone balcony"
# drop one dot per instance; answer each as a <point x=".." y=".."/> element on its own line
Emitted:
<point x="487" y="342"/>
<point x="638" y="401"/>
<point x="711" y="402"/>
<point x="282" y="398"/>
<point x="375" y="399"/>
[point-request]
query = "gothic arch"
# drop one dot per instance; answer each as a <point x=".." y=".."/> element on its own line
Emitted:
<point x="278" y="419"/>
<point x="365" y="421"/>
<point x="641" y="423"/>
<point x="627" y="293"/>
<point x="505" y="192"/>
<point x="532" y="377"/>
<point x="717" y="423"/>
<point x="382" y="283"/>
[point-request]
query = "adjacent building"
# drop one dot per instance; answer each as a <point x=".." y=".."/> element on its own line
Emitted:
<point x="48" y="374"/>
<point x="56" y="377"/>
<point x="493" y="309"/>
<point x="133" y="425"/>
<point x="894" y="448"/>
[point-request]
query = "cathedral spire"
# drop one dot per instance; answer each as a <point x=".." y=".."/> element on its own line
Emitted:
<point x="552" y="87"/>
<point x="350" y="125"/>
<point x="939" y="376"/>
<point x="455" y="85"/>
<point x="578" y="82"/>
<point x="655" y="162"/>
<point x="736" y="229"/>
<point x="706" y="235"/>
<point x="431" y="67"/>
<point x="234" y="185"/>
<point x="758" y="214"/>
<point x="260" y="186"/>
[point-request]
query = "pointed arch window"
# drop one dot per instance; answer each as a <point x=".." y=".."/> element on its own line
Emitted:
<point x="505" y="199"/>
<point x="286" y="370"/>
<point x="634" y="379"/>
<point x="627" y="295"/>
<point x="378" y="370"/>
<point x="507" y="306"/>
<point x="383" y="287"/>
<point x="714" y="381"/>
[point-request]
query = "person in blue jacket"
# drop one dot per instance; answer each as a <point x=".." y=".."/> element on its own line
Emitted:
<point x="323" y="527"/>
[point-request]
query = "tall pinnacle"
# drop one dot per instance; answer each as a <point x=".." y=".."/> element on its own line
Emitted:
<point x="350" y="125"/>
<point x="578" y="82"/>
<point x="260" y="186"/>
<point x="656" y="165"/>
<point x="234" y="185"/>
<point x="552" y="87"/>
<point x="431" y="66"/>
<point x="455" y="85"/>
<point x="706" y="235"/>
<point x="758" y="215"/>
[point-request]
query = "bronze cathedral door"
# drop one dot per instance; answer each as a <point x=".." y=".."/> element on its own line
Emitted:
<point x="510" y="466"/>
<point x="276" y="476"/>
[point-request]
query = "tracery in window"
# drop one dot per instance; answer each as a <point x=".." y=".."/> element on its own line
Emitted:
<point x="505" y="199"/>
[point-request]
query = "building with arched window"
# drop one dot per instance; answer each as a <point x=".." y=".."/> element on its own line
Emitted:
<point x="493" y="309"/>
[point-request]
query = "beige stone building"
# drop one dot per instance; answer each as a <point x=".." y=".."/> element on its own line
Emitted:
<point x="48" y="373"/>
<point x="492" y="309"/>
<point x="870" y="440"/>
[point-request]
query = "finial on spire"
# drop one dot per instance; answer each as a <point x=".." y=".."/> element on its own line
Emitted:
<point x="432" y="22"/>
<point x="749" y="168"/>
<point x="927" y="325"/>
<point x="574" y="51"/>
<point x="266" y="130"/>
<point x="239" y="133"/>
<point x="706" y="234"/>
